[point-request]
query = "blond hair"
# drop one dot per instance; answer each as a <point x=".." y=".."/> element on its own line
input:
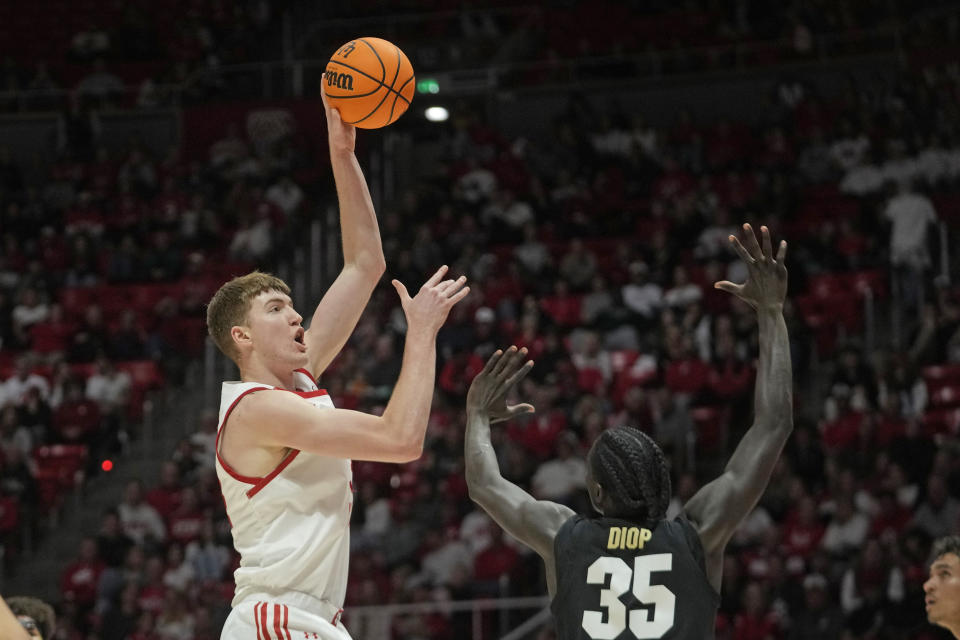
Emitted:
<point x="230" y="304"/>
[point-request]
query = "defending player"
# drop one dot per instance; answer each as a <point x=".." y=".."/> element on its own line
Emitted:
<point x="632" y="573"/>
<point x="283" y="451"/>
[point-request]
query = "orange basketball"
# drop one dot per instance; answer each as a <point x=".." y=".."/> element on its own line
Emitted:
<point x="370" y="81"/>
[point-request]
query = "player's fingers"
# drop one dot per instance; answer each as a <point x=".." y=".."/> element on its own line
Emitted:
<point x="492" y="361"/>
<point x="436" y="277"/>
<point x="513" y="367"/>
<point x="520" y="409"/>
<point x="401" y="290"/>
<point x="508" y="355"/>
<point x="458" y="296"/>
<point x="729" y="287"/>
<point x="448" y="287"/>
<point x="767" y="246"/>
<point x="782" y="252"/>
<point x="750" y="239"/>
<point x="520" y="374"/>
<point x="741" y="251"/>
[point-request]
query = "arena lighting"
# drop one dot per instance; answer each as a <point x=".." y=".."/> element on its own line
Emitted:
<point x="436" y="114"/>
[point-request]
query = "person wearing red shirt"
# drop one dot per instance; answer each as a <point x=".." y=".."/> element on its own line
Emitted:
<point x="756" y="621"/>
<point x="186" y="522"/>
<point x="166" y="497"/>
<point x="79" y="580"/>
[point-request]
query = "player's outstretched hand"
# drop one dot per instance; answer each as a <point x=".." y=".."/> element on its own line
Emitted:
<point x="488" y="391"/>
<point x="766" y="285"/>
<point x="343" y="137"/>
<point x="429" y="308"/>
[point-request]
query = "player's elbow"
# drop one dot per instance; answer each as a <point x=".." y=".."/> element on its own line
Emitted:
<point x="372" y="265"/>
<point x="410" y="451"/>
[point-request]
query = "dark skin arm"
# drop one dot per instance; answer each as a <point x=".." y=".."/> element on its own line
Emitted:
<point x="533" y="522"/>
<point x="719" y="507"/>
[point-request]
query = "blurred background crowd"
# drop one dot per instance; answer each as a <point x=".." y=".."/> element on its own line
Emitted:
<point x="593" y="241"/>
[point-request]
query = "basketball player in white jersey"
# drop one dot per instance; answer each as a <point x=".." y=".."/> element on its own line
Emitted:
<point x="283" y="451"/>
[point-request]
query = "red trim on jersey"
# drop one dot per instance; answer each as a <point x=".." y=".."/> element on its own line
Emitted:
<point x="276" y="622"/>
<point x="309" y="375"/>
<point x="311" y="394"/>
<point x="226" y="416"/>
<point x="336" y="617"/>
<point x="256" y="619"/>
<point x="264" y="481"/>
<point x="260" y="483"/>
<point x="286" y="613"/>
<point x="263" y="622"/>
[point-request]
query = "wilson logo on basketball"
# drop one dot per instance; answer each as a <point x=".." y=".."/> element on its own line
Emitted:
<point x="346" y="49"/>
<point x="339" y="80"/>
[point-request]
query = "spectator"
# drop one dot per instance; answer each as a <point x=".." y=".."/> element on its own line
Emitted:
<point x="910" y="214"/>
<point x="140" y="521"/>
<point x="78" y="583"/>
<point x="820" y="618"/>
<point x="642" y="297"/>
<point x="110" y="388"/>
<point x="561" y="478"/>
<point x="847" y="530"/>
<point x="937" y="516"/>
<point x="207" y="556"/>
<point x="100" y="87"/>
<point x="578" y="265"/>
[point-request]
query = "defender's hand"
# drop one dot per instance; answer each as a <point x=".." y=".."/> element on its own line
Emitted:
<point x="488" y="391"/>
<point x="766" y="285"/>
<point x="343" y="137"/>
<point x="429" y="308"/>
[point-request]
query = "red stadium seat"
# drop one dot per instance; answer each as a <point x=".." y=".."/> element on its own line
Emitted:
<point x="941" y="420"/>
<point x="947" y="395"/>
<point x="873" y="280"/>
<point x="145" y="374"/>
<point x="941" y="374"/>
<point x="711" y="424"/>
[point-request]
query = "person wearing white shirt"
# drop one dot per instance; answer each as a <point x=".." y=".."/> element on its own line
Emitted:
<point x="108" y="387"/>
<point x="847" y="529"/>
<point x="286" y="194"/>
<point x="14" y="389"/>
<point x="558" y="479"/>
<point x="641" y="296"/>
<point x="138" y="519"/>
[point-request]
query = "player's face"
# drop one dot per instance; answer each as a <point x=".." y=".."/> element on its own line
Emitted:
<point x="942" y="591"/>
<point x="275" y="329"/>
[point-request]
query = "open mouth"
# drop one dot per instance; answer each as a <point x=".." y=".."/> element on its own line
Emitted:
<point x="298" y="338"/>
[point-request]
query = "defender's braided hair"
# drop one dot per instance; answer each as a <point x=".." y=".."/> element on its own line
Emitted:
<point x="633" y="471"/>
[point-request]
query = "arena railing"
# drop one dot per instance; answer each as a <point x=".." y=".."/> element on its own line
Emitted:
<point x="372" y="618"/>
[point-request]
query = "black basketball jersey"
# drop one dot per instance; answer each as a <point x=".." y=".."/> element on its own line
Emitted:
<point x="620" y="580"/>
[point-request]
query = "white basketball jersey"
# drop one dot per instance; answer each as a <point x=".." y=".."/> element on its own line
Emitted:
<point x="292" y="526"/>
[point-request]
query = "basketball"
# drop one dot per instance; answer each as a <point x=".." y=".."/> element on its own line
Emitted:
<point x="370" y="81"/>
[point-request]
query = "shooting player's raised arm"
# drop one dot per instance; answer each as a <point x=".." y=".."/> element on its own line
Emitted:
<point x="720" y="506"/>
<point x="363" y="262"/>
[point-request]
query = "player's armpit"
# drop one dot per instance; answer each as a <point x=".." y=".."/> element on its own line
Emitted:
<point x="276" y="418"/>
<point x="533" y="522"/>
<point x="719" y="507"/>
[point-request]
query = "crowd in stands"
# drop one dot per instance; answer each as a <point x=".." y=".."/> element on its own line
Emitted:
<point x="596" y="248"/>
<point x="103" y="55"/>
<point x="148" y="55"/>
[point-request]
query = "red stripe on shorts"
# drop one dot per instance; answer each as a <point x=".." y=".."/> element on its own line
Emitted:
<point x="286" y="613"/>
<point x="276" y="621"/>
<point x="263" y="622"/>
